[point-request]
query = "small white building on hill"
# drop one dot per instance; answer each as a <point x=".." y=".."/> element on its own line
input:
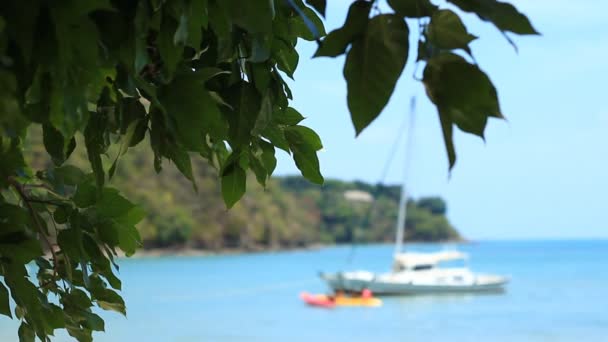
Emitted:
<point x="358" y="196"/>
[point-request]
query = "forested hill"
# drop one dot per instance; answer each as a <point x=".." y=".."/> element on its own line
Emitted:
<point x="290" y="212"/>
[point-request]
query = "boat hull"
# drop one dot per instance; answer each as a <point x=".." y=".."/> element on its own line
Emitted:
<point x="383" y="287"/>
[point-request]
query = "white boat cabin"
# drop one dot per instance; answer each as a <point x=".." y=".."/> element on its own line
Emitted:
<point x="424" y="261"/>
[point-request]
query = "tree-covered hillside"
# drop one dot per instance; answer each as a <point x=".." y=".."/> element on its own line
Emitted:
<point x="289" y="212"/>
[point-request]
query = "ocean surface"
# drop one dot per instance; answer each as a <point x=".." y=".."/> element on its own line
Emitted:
<point x="558" y="292"/>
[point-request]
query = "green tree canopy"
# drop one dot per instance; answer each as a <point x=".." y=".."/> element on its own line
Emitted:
<point x="200" y="79"/>
<point x="435" y="205"/>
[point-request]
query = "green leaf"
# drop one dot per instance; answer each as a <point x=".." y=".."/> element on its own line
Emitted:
<point x="289" y="116"/>
<point x="121" y="231"/>
<point x="78" y="54"/>
<point x="77" y="299"/>
<point x="56" y="145"/>
<point x="95" y="143"/>
<point x="23" y="250"/>
<point x="446" y="128"/>
<point x="306" y="25"/>
<point x="254" y="16"/>
<point x="280" y="91"/>
<point x="308" y="163"/>
<point x="37" y="97"/>
<point x="304" y="143"/>
<point x="265" y="116"/>
<point x="112" y="204"/>
<point x="70" y="241"/>
<point x="503" y="15"/>
<point x="447" y="31"/>
<point x="302" y="135"/>
<point x="413" y="8"/>
<point x="12" y="160"/>
<point x="131" y="110"/>
<point x="139" y="57"/>
<point x="203" y="75"/>
<point x="93" y="321"/>
<point x="125" y="82"/>
<point x="16" y="243"/>
<point x="4" y="302"/>
<point x="193" y="115"/>
<point x="128" y="239"/>
<point x="286" y="57"/>
<point x="112" y="279"/>
<point x="268" y="158"/>
<point x="191" y="21"/>
<point x="170" y="53"/>
<point x="247" y="103"/>
<point x="319" y="5"/>
<point x="255" y="163"/>
<point x="373" y="66"/>
<point x="110" y="300"/>
<point x="182" y="161"/>
<point x="80" y="334"/>
<point x="14" y="219"/>
<point x="221" y="24"/>
<point x="261" y="76"/>
<point x="26" y="333"/>
<point x="108" y="232"/>
<point x="276" y="136"/>
<point x="68" y="175"/>
<point x="140" y="132"/>
<point x="86" y="195"/>
<point x="462" y="92"/>
<point x="260" y="48"/>
<point x="336" y="42"/>
<point x="132" y="217"/>
<point x="234" y="184"/>
<point x="54" y="317"/>
<point x="60" y="215"/>
<point x="125" y="142"/>
<point x="92" y="250"/>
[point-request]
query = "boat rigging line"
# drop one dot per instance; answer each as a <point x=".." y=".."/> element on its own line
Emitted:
<point x="406" y="126"/>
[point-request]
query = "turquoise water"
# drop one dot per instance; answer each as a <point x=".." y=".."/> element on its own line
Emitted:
<point x="558" y="292"/>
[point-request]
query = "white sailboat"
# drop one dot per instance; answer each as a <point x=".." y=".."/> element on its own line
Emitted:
<point x="416" y="273"/>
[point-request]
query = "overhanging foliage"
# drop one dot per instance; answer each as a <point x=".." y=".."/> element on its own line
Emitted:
<point x="200" y="78"/>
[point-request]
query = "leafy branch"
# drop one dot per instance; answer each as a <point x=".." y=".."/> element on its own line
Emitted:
<point x="196" y="80"/>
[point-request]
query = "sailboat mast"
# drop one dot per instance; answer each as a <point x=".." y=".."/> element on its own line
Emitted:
<point x="403" y="198"/>
<point x="401" y="220"/>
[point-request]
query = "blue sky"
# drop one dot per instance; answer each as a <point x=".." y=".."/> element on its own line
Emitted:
<point x="541" y="174"/>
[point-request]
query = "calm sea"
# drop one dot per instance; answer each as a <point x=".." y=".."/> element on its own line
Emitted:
<point x="558" y="292"/>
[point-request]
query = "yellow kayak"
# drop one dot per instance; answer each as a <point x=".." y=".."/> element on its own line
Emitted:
<point x="357" y="301"/>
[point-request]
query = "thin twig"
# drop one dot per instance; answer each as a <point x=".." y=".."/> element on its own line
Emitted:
<point x="27" y="200"/>
<point x="36" y="200"/>
<point x="53" y="221"/>
<point x="47" y="188"/>
<point x="37" y="186"/>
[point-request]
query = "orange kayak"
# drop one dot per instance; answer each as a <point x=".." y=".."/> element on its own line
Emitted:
<point x="317" y="300"/>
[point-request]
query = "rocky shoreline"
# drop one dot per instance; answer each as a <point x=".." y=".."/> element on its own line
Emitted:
<point x="196" y="252"/>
